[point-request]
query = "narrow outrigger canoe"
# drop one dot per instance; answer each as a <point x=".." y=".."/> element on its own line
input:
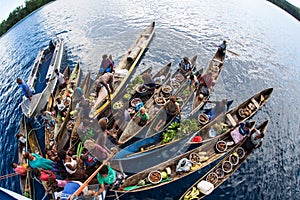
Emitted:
<point x="214" y="67"/>
<point x="124" y="68"/>
<point x="216" y="176"/>
<point x="182" y="93"/>
<point x="207" y="155"/>
<point x="43" y="68"/>
<point x="133" y="129"/>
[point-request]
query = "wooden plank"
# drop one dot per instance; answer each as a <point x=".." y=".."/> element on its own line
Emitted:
<point x="216" y="60"/>
<point x="230" y="118"/>
<point x="255" y="103"/>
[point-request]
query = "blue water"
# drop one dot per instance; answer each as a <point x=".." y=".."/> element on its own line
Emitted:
<point x="266" y="38"/>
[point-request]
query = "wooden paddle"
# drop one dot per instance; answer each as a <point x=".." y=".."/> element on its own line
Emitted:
<point x="85" y="184"/>
<point x="234" y="53"/>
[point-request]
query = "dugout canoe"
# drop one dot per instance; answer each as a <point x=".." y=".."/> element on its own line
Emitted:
<point x="214" y="67"/>
<point x="207" y="155"/>
<point x="216" y="176"/>
<point x="133" y="129"/>
<point x="124" y="69"/>
<point x="66" y="96"/>
<point x="233" y="117"/>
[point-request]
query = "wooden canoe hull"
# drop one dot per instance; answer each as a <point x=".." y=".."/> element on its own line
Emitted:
<point x="232" y="118"/>
<point x="133" y="129"/>
<point x="128" y="62"/>
<point x="215" y="67"/>
<point x="262" y="128"/>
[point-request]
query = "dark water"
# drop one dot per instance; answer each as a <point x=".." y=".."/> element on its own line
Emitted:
<point x="266" y="38"/>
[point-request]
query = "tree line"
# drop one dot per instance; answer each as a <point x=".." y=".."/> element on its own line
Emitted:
<point x="20" y="13"/>
<point x="291" y="9"/>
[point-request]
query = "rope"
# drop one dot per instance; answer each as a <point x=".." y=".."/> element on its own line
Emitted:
<point x="8" y="175"/>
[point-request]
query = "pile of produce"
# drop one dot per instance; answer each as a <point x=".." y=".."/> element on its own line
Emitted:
<point x="170" y="133"/>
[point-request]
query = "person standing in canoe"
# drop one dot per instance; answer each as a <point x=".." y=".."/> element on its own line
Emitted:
<point x="185" y="66"/>
<point x="172" y="109"/>
<point x="106" y="80"/>
<point x="25" y="88"/>
<point x="62" y="83"/>
<point x="107" y="64"/>
<point x="222" y="49"/>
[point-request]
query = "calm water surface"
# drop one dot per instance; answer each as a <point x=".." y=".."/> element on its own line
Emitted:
<point x="266" y="38"/>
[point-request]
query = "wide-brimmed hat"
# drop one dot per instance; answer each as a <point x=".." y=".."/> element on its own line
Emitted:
<point x="186" y="58"/>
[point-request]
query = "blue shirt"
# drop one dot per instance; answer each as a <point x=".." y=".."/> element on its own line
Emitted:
<point x="242" y="130"/>
<point x="187" y="66"/>
<point x="25" y="88"/>
<point x="70" y="188"/>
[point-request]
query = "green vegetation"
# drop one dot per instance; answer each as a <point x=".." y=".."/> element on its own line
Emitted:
<point x="291" y="9"/>
<point x="20" y="13"/>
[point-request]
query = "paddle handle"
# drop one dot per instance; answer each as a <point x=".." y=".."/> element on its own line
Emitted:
<point x="81" y="188"/>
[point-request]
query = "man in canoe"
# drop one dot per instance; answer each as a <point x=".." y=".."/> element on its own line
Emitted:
<point x="222" y="49"/>
<point x="106" y="80"/>
<point x="62" y="83"/>
<point x="107" y="64"/>
<point x="25" y="88"/>
<point x="110" y="178"/>
<point x="254" y="141"/>
<point x="185" y="66"/>
<point x="172" y="109"/>
<point x="220" y="108"/>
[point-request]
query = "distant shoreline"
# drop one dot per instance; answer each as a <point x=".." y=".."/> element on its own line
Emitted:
<point x="288" y="7"/>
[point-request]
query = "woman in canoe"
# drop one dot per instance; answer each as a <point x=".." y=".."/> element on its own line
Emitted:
<point x="36" y="161"/>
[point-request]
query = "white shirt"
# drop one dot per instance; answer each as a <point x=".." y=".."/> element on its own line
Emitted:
<point x="61" y="78"/>
<point x="48" y="116"/>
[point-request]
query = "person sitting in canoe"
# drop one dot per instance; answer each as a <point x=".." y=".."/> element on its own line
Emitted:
<point x="149" y="83"/>
<point x="172" y="109"/>
<point x="254" y="141"/>
<point x="240" y="132"/>
<point x="25" y="88"/>
<point x="205" y="84"/>
<point x="185" y="65"/>
<point x="48" y="119"/>
<point x="220" y="108"/>
<point x="19" y="169"/>
<point x="109" y="178"/>
<point x="108" y="134"/>
<point x="70" y="188"/>
<point x="36" y="161"/>
<point x="106" y="80"/>
<point x="107" y="64"/>
<point x="222" y="49"/>
<point x="142" y="116"/>
<point x="192" y="80"/>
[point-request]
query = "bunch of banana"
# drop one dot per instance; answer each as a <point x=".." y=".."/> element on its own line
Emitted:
<point x="196" y="167"/>
<point x="192" y="194"/>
